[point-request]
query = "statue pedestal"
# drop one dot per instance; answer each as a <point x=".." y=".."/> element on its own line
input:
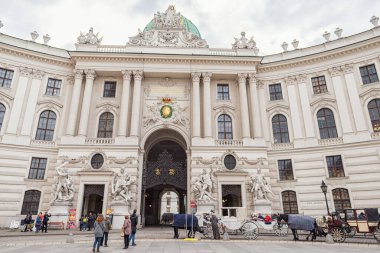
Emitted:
<point x="60" y="212"/>
<point x="262" y="206"/>
<point x="205" y="207"/>
<point x="119" y="210"/>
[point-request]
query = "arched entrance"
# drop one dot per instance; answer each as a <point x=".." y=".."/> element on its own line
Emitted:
<point x="164" y="176"/>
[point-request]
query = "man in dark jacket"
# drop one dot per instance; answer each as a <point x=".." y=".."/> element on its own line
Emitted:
<point x="134" y="222"/>
<point x="28" y="220"/>
<point x="45" y="222"/>
<point x="214" y="224"/>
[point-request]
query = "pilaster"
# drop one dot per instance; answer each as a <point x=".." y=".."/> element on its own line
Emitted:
<point x="85" y="113"/>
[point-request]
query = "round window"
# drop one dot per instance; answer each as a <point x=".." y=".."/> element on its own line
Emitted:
<point x="230" y="162"/>
<point x="97" y="161"/>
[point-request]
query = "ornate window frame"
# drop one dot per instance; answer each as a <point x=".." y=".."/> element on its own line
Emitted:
<point x="236" y="158"/>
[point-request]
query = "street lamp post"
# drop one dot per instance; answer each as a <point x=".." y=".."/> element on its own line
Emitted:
<point x="324" y="190"/>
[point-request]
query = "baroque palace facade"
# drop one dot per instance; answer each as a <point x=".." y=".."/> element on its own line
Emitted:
<point x="114" y="128"/>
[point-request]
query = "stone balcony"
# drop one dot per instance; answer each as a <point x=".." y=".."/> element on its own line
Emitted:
<point x="330" y="141"/>
<point x="229" y="143"/>
<point x="282" y="146"/>
<point x="99" y="141"/>
<point x="42" y="143"/>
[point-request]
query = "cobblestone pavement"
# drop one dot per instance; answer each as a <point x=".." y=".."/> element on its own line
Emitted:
<point x="173" y="246"/>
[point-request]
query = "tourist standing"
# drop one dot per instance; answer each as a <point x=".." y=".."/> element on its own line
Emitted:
<point x="90" y="221"/>
<point x="45" y="221"/>
<point x="127" y="231"/>
<point x="134" y="222"/>
<point x="37" y="224"/>
<point x="28" y="220"/>
<point x="107" y="228"/>
<point x="98" y="232"/>
<point x="214" y="224"/>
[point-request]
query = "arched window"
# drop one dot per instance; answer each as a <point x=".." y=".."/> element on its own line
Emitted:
<point x="225" y="127"/>
<point x="289" y="202"/>
<point x="326" y="124"/>
<point x="374" y="114"/>
<point x="105" y="128"/>
<point x="341" y="199"/>
<point x="2" y="113"/>
<point x="280" y="129"/>
<point x="31" y="202"/>
<point x="46" y="126"/>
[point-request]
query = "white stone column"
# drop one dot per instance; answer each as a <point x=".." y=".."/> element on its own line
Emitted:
<point x="123" y="120"/>
<point x="196" y="105"/>
<point x="74" y="105"/>
<point x="353" y="95"/>
<point x="207" y="122"/>
<point x="255" y="107"/>
<point x="85" y="113"/>
<point x="18" y="102"/>
<point x="341" y="100"/>
<point x="136" y="110"/>
<point x="294" y="109"/>
<point x="139" y="184"/>
<point x="32" y="103"/>
<point x="244" y="115"/>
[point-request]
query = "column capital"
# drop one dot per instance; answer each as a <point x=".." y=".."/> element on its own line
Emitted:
<point x="252" y="78"/>
<point x="90" y="74"/>
<point x="335" y="71"/>
<point x="127" y="74"/>
<point x="195" y="76"/>
<point x="206" y="76"/>
<point x="78" y="73"/>
<point x="138" y="74"/>
<point x="242" y="77"/>
<point x="348" y="68"/>
<point x="37" y="74"/>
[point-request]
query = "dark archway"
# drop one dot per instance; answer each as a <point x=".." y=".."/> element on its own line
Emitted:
<point x="165" y="168"/>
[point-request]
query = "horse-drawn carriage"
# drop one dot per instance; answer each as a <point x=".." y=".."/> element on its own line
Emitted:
<point x="364" y="221"/>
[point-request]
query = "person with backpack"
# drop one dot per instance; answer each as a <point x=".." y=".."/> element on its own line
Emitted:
<point x="134" y="222"/>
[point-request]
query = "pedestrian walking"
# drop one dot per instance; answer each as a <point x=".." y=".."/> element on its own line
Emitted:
<point x="127" y="231"/>
<point x="98" y="232"/>
<point x="107" y="228"/>
<point x="214" y="224"/>
<point x="45" y="221"/>
<point x="38" y="222"/>
<point x="134" y="222"/>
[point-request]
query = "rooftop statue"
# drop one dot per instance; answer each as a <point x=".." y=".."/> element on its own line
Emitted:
<point x="244" y="43"/>
<point x="89" y="38"/>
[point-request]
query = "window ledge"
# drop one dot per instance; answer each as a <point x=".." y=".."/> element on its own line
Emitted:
<point x="370" y="84"/>
<point x="321" y="94"/>
<point x="6" y="88"/>
<point x="330" y="141"/>
<point x="34" y="180"/>
<point x="52" y="96"/>
<point x="337" y="178"/>
<point x="287" y="181"/>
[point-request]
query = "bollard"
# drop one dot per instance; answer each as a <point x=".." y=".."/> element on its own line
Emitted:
<point x="70" y="238"/>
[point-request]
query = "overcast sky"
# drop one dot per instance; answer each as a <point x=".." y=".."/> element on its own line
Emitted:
<point x="271" y="22"/>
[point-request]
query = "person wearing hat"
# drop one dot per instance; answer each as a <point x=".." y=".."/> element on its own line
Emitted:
<point x="214" y="224"/>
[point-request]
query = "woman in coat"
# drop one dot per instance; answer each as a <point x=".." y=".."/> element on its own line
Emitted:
<point x="38" y="223"/>
<point x="127" y="229"/>
<point x="99" y="228"/>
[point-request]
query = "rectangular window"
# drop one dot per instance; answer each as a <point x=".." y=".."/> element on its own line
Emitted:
<point x="285" y="169"/>
<point x="231" y="199"/>
<point x="223" y="92"/>
<point x="369" y="74"/>
<point x="319" y="84"/>
<point x="275" y="91"/>
<point x="335" y="166"/>
<point x="37" y="168"/>
<point x="109" y="89"/>
<point x="6" y="76"/>
<point x="53" y="87"/>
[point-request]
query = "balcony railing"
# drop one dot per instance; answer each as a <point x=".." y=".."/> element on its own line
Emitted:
<point x="229" y="143"/>
<point x="282" y="146"/>
<point x="42" y="143"/>
<point x="375" y="135"/>
<point x="99" y="141"/>
<point x="331" y="141"/>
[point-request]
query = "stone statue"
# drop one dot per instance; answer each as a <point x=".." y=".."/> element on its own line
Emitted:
<point x="244" y="43"/>
<point x="63" y="187"/>
<point x="203" y="186"/>
<point x="121" y="184"/>
<point x="260" y="187"/>
<point x="90" y="38"/>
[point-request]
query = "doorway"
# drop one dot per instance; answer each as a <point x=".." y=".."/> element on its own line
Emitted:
<point x="165" y="172"/>
<point x="93" y="198"/>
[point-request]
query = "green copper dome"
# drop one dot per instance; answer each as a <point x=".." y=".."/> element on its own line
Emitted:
<point x="186" y="23"/>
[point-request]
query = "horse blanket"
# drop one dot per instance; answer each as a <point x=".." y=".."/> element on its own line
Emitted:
<point x="300" y="222"/>
<point x="185" y="220"/>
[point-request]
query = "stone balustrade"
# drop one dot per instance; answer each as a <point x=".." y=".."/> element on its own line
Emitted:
<point x="99" y="141"/>
<point x="42" y="143"/>
<point x="331" y="141"/>
<point x="230" y="143"/>
<point x="282" y="146"/>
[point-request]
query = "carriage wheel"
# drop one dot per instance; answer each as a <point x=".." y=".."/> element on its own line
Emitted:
<point x="250" y="230"/>
<point x="281" y="230"/>
<point x="338" y="235"/>
<point x="376" y="234"/>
